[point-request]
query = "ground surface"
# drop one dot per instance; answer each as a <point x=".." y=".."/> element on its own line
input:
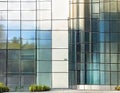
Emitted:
<point x="70" y="91"/>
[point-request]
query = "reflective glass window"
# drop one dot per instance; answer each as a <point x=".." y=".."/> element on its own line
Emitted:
<point x="44" y="35"/>
<point x="28" y="35"/>
<point x="28" y="15"/>
<point x="44" y="54"/>
<point x="44" y="43"/>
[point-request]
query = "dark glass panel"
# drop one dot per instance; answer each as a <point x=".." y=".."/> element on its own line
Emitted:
<point x="28" y="66"/>
<point x="27" y="54"/>
<point x="13" y="55"/>
<point x="13" y="67"/>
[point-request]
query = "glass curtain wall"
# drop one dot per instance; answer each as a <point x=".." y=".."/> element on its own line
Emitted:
<point x="44" y="42"/>
<point x="94" y="39"/>
<point x="25" y="42"/>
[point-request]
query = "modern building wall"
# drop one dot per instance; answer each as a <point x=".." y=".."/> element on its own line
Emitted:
<point x="34" y="43"/>
<point x="94" y="42"/>
<point x="60" y="16"/>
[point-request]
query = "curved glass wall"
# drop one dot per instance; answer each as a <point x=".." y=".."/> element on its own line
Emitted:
<point x="94" y="48"/>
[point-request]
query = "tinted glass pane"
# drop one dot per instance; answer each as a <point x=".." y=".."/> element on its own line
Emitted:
<point x="27" y="54"/>
<point x="44" y="66"/>
<point x="28" y="35"/>
<point x="13" y="55"/>
<point x="28" y="66"/>
<point x="13" y="67"/>
<point x="44" y="78"/>
<point x="28" y="44"/>
<point x="44" y="34"/>
<point x="13" y="25"/>
<point x="44" y="54"/>
<point x="44" y="44"/>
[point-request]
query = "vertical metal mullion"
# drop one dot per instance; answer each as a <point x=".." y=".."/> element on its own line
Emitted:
<point x="51" y="43"/>
<point x="109" y="44"/>
<point x="36" y="39"/>
<point x="7" y="48"/>
<point x="117" y="53"/>
<point x="99" y="44"/>
<point x="20" y="47"/>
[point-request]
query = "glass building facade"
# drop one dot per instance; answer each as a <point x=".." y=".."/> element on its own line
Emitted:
<point x="94" y="44"/>
<point x="31" y="48"/>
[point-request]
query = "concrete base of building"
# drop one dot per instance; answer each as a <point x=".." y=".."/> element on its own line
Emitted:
<point x="70" y="91"/>
<point x="96" y="87"/>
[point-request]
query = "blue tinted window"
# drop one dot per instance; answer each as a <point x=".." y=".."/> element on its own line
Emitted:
<point x="44" y="35"/>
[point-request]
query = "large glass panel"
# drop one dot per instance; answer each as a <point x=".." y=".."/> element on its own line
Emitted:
<point x="27" y="66"/>
<point x="44" y="5"/>
<point x="14" y="44"/>
<point x="3" y="44"/>
<point x="114" y="26"/>
<point x="44" y="44"/>
<point x="96" y="79"/>
<point x="42" y="15"/>
<point x="118" y="77"/>
<point x="44" y="35"/>
<point x="13" y="55"/>
<point x="113" y="58"/>
<point x="3" y="25"/>
<point x="82" y="8"/>
<point x="2" y="62"/>
<point x="13" y="25"/>
<point x="107" y="78"/>
<point x="44" y="54"/>
<point x="107" y="67"/>
<point x="13" y="6"/>
<point x="3" y="5"/>
<point x="3" y="79"/>
<point x="3" y="15"/>
<point x="102" y="77"/>
<point x="27" y="55"/>
<point x="118" y="6"/>
<point x="28" y="44"/>
<point x="113" y="6"/>
<point x="13" y="67"/>
<point x="14" y="36"/>
<point x="44" y="25"/>
<point x="114" y="78"/>
<point x="13" y="79"/>
<point x="95" y="7"/>
<point x="14" y="15"/>
<point x="3" y="35"/>
<point x="44" y="66"/>
<point x="44" y="79"/>
<point x="27" y="35"/>
<point x="113" y="67"/>
<point x="28" y="6"/>
<point x="28" y="15"/>
<point x="106" y="6"/>
<point x="114" y="47"/>
<point x="27" y="25"/>
<point x="27" y="80"/>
